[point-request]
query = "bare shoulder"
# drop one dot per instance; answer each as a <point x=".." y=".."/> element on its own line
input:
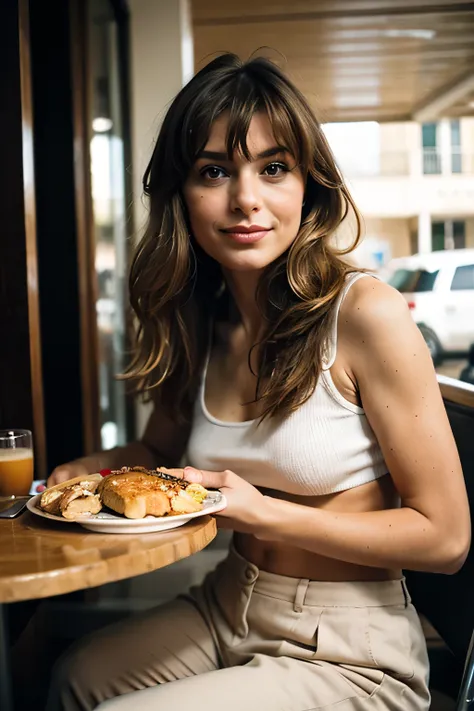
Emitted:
<point x="378" y="333"/>
<point x="373" y="306"/>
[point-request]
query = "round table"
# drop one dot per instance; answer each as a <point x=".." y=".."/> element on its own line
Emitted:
<point x="39" y="558"/>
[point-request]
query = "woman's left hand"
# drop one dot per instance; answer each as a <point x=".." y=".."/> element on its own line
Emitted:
<point x="246" y="506"/>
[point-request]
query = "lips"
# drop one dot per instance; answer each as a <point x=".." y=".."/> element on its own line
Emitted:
<point x="244" y="229"/>
<point x="246" y="234"/>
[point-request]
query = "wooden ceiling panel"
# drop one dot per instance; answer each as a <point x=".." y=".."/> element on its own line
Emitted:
<point x="372" y="59"/>
<point x="213" y="10"/>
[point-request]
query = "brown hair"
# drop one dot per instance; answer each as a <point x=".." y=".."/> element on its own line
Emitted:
<point x="174" y="285"/>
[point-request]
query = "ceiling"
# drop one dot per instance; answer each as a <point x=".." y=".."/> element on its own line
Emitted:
<point x="355" y="60"/>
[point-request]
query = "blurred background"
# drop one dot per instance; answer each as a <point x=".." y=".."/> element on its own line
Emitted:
<point x="392" y="82"/>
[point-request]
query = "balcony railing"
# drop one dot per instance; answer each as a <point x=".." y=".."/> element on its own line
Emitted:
<point x="431" y="161"/>
<point x="427" y="161"/>
<point x="454" y="161"/>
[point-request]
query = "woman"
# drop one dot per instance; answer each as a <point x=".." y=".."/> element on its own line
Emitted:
<point x="304" y="391"/>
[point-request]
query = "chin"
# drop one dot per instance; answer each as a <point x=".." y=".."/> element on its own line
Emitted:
<point x="247" y="262"/>
<point x="246" y="259"/>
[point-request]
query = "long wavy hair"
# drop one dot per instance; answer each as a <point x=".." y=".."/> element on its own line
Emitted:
<point x="177" y="290"/>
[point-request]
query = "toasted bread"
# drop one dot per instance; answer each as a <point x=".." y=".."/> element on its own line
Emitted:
<point x="134" y="494"/>
<point x="138" y="492"/>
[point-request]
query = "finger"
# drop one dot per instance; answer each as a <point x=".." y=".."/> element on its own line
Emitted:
<point x="58" y="477"/>
<point x="210" y="480"/>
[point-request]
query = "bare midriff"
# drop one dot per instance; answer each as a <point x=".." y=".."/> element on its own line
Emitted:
<point x="294" y="562"/>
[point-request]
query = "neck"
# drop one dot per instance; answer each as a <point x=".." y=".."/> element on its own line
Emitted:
<point x="243" y="287"/>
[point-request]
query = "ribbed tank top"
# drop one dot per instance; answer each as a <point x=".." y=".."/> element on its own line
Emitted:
<point x="325" y="446"/>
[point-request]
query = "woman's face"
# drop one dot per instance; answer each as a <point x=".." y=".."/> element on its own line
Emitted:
<point x="243" y="213"/>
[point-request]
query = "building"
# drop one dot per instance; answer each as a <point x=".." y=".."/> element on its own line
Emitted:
<point x="413" y="183"/>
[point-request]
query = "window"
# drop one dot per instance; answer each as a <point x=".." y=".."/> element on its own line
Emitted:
<point x="431" y="155"/>
<point x="449" y="234"/>
<point x="459" y="234"/>
<point x="429" y="135"/>
<point x="437" y="236"/>
<point x="463" y="278"/>
<point x="411" y="281"/>
<point x="108" y="150"/>
<point x="456" y="156"/>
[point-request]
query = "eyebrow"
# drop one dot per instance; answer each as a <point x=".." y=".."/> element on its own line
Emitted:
<point x="264" y="154"/>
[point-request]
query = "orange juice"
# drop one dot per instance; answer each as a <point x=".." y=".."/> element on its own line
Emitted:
<point x="16" y="471"/>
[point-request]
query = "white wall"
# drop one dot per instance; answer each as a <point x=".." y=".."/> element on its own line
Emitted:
<point x="161" y="62"/>
<point x="406" y="196"/>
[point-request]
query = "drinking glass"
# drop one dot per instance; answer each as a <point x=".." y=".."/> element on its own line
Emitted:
<point x="16" y="462"/>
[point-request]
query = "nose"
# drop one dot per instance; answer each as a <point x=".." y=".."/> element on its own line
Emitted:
<point x="245" y="194"/>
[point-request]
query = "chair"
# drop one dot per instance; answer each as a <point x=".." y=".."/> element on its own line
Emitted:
<point x="447" y="601"/>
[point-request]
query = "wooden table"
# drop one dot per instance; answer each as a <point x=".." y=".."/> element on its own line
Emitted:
<point x="39" y="558"/>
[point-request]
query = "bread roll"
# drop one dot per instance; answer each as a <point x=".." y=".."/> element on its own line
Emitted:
<point x="137" y="493"/>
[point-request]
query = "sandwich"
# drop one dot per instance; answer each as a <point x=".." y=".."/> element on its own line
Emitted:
<point x="73" y="499"/>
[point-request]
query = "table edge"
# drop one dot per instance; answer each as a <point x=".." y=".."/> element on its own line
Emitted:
<point x="49" y="583"/>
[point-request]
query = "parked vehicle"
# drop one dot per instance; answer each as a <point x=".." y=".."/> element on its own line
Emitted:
<point x="439" y="290"/>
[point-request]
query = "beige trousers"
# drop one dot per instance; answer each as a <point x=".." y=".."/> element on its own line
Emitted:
<point x="248" y="640"/>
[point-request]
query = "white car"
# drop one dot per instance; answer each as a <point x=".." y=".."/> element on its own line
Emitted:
<point x="439" y="290"/>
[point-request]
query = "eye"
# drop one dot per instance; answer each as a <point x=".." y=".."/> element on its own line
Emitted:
<point x="275" y="170"/>
<point x="212" y="172"/>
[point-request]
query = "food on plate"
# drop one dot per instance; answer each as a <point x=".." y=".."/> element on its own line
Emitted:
<point x="50" y="501"/>
<point x="73" y="499"/>
<point x="78" y="500"/>
<point x="136" y="492"/>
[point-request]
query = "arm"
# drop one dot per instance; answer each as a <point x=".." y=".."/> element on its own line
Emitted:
<point x="163" y="444"/>
<point x="389" y="361"/>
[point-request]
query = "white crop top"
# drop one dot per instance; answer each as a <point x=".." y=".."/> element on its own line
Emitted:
<point x="326" y="446"/>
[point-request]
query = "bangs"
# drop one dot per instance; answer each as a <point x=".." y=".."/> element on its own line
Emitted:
<point x="240" y="91"/>
<point x="241" y="97"/>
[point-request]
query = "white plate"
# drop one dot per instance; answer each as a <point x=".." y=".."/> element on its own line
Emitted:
<point x="109" y="523"/>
